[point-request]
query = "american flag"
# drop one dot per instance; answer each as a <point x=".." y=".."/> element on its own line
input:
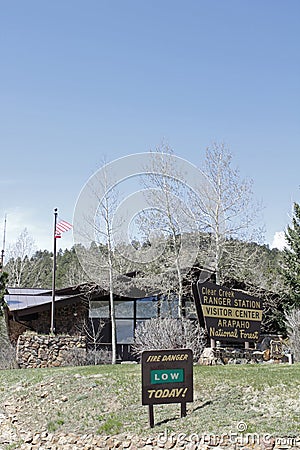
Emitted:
<point x="61" y="227"/>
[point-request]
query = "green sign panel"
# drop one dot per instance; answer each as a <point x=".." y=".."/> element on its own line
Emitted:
<point x="167" y="376"/>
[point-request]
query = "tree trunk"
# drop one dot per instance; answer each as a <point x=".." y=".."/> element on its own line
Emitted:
<point x="180" y="290"/>
<point x="113" y="328"/>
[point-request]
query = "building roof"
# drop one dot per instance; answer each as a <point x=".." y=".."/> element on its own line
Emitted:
<point x="19" y="302"/>
<point x="26" y="291"/>
<point x="27" y="299"/>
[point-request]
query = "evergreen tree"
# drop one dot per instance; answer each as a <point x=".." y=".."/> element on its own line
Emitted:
<point x="291" y="260"/>
<point x="3" y="282"/>
<point x="40" y="270"/>
<point x="69" y="271"/>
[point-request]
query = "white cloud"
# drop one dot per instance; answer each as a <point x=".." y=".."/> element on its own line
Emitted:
<point x="279" y="240"/>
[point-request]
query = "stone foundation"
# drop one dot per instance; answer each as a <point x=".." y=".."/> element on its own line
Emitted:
<point x="35" y="350"/>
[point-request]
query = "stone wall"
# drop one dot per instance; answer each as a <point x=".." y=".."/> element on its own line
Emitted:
<point x="35" y="350"/>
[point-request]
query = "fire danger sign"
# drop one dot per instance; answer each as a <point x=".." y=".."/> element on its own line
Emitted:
<point x="167" y="376"/>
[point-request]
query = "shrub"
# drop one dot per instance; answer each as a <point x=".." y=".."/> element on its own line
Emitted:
<point x="79" y="357"/>
<point x="7" y="356"/>
<point x="95" y="357"/>
<point x="169" y="333"/>
<point x="74" y="357"/>
<point x="7" y="351"/>
<point x="292" y="319"/>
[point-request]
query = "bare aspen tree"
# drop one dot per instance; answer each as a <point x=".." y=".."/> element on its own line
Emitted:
<point x="104" y="232"/>
<point x="93" y="331"/>
<point x="169" y="219"/>
<point x="98" y="256"/>
<point x="229" y="211"/>
<point x="18" y="256"/>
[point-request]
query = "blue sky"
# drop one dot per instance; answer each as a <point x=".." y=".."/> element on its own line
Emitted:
<point x="83" y="80"/>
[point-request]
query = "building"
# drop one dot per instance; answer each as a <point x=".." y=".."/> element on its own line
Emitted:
<point x="83" y="310"/>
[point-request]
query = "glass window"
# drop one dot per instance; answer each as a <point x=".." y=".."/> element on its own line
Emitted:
<point x="99" y="309"/>
<point x="124" y="331"/>
<point x="169" y="307"/>
<point x="146" y="308"/>
<point x="124" y="308"/>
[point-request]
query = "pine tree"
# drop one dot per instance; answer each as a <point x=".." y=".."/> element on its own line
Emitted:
<point x="3" y="282"/>
<point x="291" y="260"/>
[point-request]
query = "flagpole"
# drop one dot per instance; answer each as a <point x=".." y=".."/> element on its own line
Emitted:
<point x="3" y="246"/>
<point x="52" y="326"/>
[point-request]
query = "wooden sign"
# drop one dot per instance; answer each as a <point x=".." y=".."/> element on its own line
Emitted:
<point x="167" y="377"/>
<point x="228" y="315"/>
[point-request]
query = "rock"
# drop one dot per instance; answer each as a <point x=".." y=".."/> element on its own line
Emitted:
<point x="46" y="351"/>
<point x="207" y="357"/>
<point x="268" y="445"/>
<point x="44" y="394"/>
<point x="55" y="364"/>
<point x="36" y="439"/>
<point x="170" y="444"/>
<point x="28" y="438"/>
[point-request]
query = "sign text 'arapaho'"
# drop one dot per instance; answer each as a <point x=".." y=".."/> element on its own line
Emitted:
<point x="228" y="314"/>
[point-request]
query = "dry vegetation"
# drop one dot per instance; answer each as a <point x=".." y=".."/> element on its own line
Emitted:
<point x="106" y="400"/>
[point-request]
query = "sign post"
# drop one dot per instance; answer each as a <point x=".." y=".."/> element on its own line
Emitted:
<point x="167" y="377"/>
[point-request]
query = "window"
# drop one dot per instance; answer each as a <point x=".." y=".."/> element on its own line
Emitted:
<point x="124" y="309"/>
<point x="131" y="313"/>
<point x="99" y="310"/>
<point x="125" y="331"/>
<point x="146" y="308"/>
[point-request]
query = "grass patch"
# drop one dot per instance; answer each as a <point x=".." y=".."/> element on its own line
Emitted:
<point x="111" y="425"/>
<point x="107" y="400"/>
